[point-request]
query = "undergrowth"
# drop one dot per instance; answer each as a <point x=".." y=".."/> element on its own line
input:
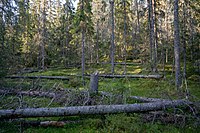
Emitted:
<point x="162" y="88"/>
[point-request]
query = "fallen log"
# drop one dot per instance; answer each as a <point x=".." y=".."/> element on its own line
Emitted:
<point x="28" y="93"/>
<point x="132" y="76"/>
<point x="88" y="110"/>
<point x="38" y="77"/>
<point x="146" y="99"/>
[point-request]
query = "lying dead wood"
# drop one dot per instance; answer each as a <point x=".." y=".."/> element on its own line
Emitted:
<point x="88" y="110"/>
<point x="38" y="77"/>
<point x="132" y="76"/>
<point x="57" y="94"/>
<point x="28" y="93"/>
<point x="146" y="99"/>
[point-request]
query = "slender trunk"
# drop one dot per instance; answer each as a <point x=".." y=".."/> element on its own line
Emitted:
<point x="167" y="44"/>
<point x="151" y="36"/>
<point x="177" y="46"/>
<point x="191" y="36"/>
<point x="97" y="43"/>
<point x="156" y="35"/>
<point x="112" y="37"/>
<point x="163" y="50"/>
<point x="39" y="38"/>
<point x="138" y="17"/>
<point x="184" y="41"/>
<point x="65" y="48"/>
<point x="43" y="33"/>
<point x="83" y="46"/>
<point x="2" y="27"/>
<point x="125" y="45"/>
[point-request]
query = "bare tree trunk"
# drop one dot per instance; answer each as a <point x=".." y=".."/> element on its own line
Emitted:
<point x="2" y="25"/>
<point x="86" y="110"/>
<point x="112" y="37"/>
<point x="156" y="36"/>
<point x="151" y="36"/>
<point x="43" y="34"/>
<point x="177" y="46"/>
<point x="83" y="45"/>
<point x="65" y="50"/>
<point x="124" y="37"/>
<point x="184" y="41"/>
<point x="138" y="17"/>
<point x="97" y="43"/>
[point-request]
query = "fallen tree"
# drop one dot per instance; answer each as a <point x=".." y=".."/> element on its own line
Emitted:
<point x="132" y="76"/>
<point x="38" y="77"/>
<point x="87" y="110"/>
<point x="28" y="93"/>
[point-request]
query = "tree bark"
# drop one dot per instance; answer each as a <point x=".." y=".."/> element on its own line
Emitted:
<point x="112" y="37"/>
<point x="97" y="43"/>
<point x="151" y="36"/>
<point x="177" y="46"/>
<point x="94" y="83"/>
<point x="184" y="40"/>
<point x="83" y="44"/>
<point x="88" y="110"/>
<point x="124" y="36"/>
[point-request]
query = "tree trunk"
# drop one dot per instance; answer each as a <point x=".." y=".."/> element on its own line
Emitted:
<point x="155" y="37"/>
<point x="112" y="37"/>
<point x="184" y="40"/>
<point x="151" y="35"/>
<point x="177" y="47"/>
<point x="83" y="45"/>
<point x="89" y="110"/>
<point x="43" y="34"/>
<point x="124" y="36"/>
<point x="97" y="44"/>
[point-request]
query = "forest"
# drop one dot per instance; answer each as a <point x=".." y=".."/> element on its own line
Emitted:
<point x="99" y="66"/>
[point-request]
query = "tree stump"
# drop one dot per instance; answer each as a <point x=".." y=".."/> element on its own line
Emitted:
<point x="94" y="79"/>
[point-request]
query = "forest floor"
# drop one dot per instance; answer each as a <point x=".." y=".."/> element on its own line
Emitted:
<point x="132" y="122"/>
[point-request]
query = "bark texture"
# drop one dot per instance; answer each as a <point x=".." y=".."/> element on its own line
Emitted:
<point x="94" y="83"/>
<point x="112" y="37"/>
<point x="86" y="110"/>
<point x="177" y="46"/>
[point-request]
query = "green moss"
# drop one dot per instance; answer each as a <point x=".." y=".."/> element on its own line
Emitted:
<point x="163" y="88"/>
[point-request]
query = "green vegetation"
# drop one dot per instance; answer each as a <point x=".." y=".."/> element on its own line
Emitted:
<point x="138" y="37"/>
<point x="162" y="88"/>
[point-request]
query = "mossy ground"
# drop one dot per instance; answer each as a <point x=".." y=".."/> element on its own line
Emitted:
<point x="162" y="88"/>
